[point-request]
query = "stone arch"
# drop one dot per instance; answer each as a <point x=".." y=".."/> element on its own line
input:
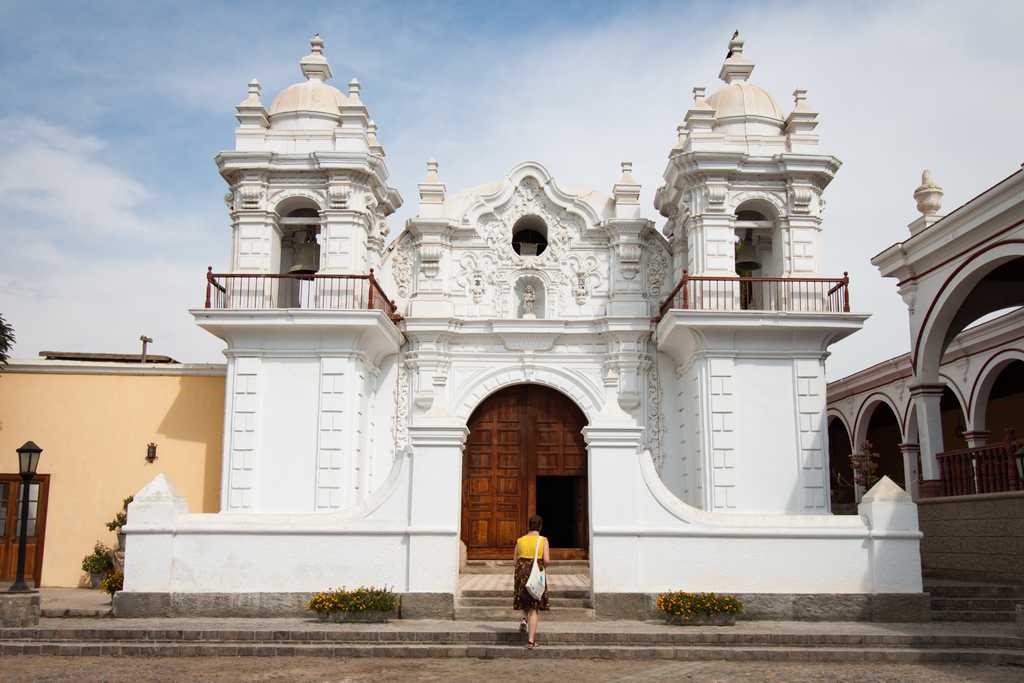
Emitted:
<point x="864" y="413"/>
<point x="977" y="405"/>
<point x="582" y="391"/>
<point x="758" y="200"/>
<point x="842" y="493"/>
<point x="947" y="315"/>
<point x="289" y="200"/>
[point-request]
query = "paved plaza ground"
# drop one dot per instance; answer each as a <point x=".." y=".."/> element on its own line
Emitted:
<point x="216" y="669"/>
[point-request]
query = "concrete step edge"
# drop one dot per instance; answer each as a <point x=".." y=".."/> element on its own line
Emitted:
<point x="989" y="656"/>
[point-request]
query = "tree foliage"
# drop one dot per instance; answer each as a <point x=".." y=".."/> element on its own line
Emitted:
<point x="6" y="340"/>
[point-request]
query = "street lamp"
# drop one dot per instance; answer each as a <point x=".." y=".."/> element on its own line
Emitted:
<point x="28" y="461"/>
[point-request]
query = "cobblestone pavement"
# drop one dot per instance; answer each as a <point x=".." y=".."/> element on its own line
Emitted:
<point x="218" y="669"/>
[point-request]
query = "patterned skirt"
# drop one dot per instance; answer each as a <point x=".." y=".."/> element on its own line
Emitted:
<point x="521" y="598"/>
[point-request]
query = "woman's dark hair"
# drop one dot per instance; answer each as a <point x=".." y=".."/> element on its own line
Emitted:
<point x="535" y="523"/>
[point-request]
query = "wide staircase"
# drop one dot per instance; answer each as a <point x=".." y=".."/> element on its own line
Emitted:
<point x="485" y="591"/>
<point x="973" y="601"/>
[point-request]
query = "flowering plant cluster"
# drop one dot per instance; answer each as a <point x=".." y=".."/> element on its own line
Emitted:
<point x="362" y="599"/>
<point x="113" y="582"/>
<point x="681" y="603"/>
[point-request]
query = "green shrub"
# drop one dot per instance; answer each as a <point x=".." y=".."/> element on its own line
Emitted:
<point x="99" y="561"/>
<point x="113" y="582"/>
<point x="121" y="518"/>
<point x="362" y="599"/>
<point x="681" y="603"/>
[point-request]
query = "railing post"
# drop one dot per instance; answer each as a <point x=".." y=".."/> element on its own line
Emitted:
<point x="209" y="278"/>
<point x="372" y="283"/>
<point x="846" y="292"/>
<point x="686" y="290"/>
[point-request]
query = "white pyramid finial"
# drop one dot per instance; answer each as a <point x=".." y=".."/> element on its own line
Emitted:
<point x="736" y="67"/>
<point x="314" y="66"/>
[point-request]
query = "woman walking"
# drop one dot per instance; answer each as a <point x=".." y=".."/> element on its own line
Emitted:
<point x="528" y="547"/>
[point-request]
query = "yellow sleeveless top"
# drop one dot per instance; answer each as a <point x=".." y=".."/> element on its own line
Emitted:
<point x="526" y="546"/>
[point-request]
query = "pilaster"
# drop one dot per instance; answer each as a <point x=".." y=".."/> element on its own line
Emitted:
<point x="926" y="399"/>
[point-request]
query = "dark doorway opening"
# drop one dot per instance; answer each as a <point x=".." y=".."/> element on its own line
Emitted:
<point x="560" y="502"/>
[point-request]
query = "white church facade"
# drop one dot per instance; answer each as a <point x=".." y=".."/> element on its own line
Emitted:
<point x="397" y="408"/>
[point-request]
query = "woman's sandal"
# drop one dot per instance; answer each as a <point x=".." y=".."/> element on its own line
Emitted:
<point x="531" y="645"/>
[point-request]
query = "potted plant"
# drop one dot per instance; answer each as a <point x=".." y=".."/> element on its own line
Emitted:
<point x="97" y="564"/>
<point x="120" y="519"/>
<point x="365" y="604"/>
<point x="865" y="466"/>
<point x="699" y="609"/>
<point x="112" y="582"/>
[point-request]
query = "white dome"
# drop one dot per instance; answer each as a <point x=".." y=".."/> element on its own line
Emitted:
<point x="742" y="99"/>
<point x="309" y="96"/>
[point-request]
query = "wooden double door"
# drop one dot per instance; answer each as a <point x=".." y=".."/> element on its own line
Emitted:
<point x="10" y="520"/>
<point x="525" y="455"/>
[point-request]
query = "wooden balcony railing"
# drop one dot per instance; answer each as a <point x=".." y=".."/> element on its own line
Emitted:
<point x="722" y="293"/>
<point x="266" y="291"/>
<point x="993" y="468"/>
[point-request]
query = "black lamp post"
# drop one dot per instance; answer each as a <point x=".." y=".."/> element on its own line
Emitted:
<point x="28" y="461"/>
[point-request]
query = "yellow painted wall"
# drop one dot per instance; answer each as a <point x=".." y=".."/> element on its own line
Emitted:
<point x="93" y="429"/>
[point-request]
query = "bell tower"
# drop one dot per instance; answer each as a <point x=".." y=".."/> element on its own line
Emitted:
<point x="743" y="186"/>
<point x="751" y="315"/>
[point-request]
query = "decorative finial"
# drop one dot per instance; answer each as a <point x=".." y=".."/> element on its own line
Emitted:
<point x="928" y="195"/>
<point x="432" y="167"/>
<point x="735" y="44"/>
<point x="255" y="88"/>
<point x="314" y="66"/>
<point x="736" y="67"/>
<point x="354" y="87"/>
<point x="698" y="95"/>
<point x="799" y="96"/>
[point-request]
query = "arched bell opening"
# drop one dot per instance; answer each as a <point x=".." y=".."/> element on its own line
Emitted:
<point x="530" y="236"/>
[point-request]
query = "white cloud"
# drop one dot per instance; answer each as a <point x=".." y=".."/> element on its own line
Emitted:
<point x="899" y="86"/>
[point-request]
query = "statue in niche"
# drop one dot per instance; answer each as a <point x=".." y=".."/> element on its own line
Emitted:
<point x="476" y="288"/>
<point x="529" y="303"/>
<point x="580" y="291"/>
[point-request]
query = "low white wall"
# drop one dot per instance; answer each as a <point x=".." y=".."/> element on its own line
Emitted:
<point x="406" y="535"/>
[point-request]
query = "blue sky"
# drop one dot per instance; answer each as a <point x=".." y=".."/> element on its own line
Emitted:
<point x="111" y="113"/>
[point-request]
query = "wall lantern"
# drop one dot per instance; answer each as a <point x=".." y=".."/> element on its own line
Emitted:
<point x="150" y="452"/>
<point x="28" y="462"/>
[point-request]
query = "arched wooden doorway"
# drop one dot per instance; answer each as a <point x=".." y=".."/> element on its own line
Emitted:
<point x="525" y="454"/>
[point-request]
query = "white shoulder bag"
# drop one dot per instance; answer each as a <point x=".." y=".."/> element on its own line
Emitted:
<point x="535" y="584"/>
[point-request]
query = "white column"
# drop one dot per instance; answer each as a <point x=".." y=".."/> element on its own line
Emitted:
<point x="929" y="419"/>
<point x="911" y="452"/>
<point x="435" y="511"/>
<point x="614" y="481"/>
<point x="977" y="438"/>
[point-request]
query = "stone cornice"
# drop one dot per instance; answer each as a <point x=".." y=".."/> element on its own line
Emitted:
<point x="56" y="367"/>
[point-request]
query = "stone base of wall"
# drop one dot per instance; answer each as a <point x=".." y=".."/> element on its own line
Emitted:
<point x="879" y="607"/>
<point x="19" y="609"/>
<point x="131" y="605"/>
<point x="979" y="538"/>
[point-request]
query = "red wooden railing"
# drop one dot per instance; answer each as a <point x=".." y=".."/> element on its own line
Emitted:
<point x="984" y="469"/>
<point x="264" y="291"/>
<point x="723" y="293"/>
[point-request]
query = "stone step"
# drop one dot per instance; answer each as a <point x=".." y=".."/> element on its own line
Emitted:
<point x="506" y="600"/>
<point x="996" y="657"/>
<point x="973" y="615"/>
<point x="975" y="591"/>
<point x="998" y="604"/>
<point x="506" y="633"/>
<point x="505" y="567"/>
<point x="76" y="612"/>
<point x="509" y="614"/>
<point x="507" y="594"/>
